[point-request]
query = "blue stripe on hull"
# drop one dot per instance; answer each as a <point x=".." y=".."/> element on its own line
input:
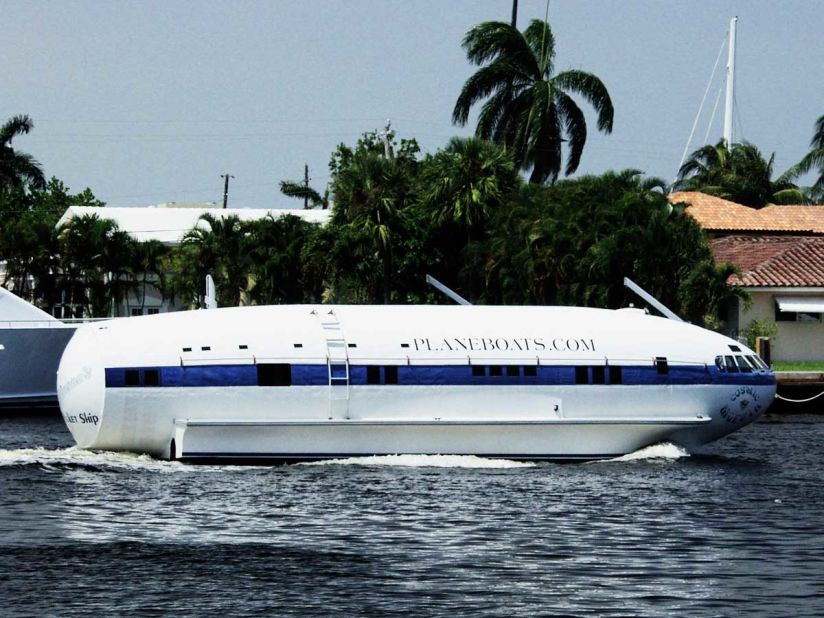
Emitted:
<point x="433" y="375"/>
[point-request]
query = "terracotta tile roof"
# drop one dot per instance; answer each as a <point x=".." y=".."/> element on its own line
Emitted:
<point x="773" y="261"/>
<point x="715" y="214"/>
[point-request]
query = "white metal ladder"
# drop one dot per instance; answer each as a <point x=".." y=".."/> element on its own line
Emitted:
<point x="337" y="363"/>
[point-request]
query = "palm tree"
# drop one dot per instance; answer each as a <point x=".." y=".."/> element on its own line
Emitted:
<point x="311" y="198"/>
<point x="18" y="169"/>
<point x="221" y="249"/>
<point x="466" y="180"/>
<point x="461" y="186"/>
<point x="814" y="159"/>
<point x="96" y="259"/>
<point x="530" y="109"/>
<point x="739" y="174"/>
<point x="149" y="257"/>
<point x="371" y="193"/>
<point x="276" y="259"/>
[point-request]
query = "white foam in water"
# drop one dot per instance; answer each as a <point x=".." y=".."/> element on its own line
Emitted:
<point x="78" y="456"/>
<point x="424" y="461"/>
<point x="665" y="450"/>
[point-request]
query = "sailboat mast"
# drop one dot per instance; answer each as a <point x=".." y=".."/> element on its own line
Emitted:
<point x="728" y="105"/>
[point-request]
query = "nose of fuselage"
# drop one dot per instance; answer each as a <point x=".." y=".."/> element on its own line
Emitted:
<point x="81" y="385"/>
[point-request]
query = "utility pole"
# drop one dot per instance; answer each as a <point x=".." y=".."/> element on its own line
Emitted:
<point x="514" y="12"/>
<point x="226" y="178"/>
<point x="306" y="184"/>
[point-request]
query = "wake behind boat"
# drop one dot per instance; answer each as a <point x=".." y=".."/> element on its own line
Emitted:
<point x="306" y="382"/>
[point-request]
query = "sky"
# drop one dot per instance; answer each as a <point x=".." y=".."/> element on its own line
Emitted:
<point x="149" y="102"/>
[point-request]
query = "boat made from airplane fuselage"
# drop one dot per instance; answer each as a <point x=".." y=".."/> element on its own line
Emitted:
<point x="304" y="382"/>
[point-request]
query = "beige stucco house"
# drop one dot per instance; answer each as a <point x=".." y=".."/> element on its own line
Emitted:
<point x="779" y="251"/>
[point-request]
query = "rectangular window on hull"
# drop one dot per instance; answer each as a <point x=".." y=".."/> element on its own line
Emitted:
<point x="496" y="371"/>
<point x="478" y="371"/>
<point x="599" y="375"/>
<point x="132" y="377"/>
<point x="615" y="375"/>
<point x="274" y="374"/>
<point x="581" y="375"/>
<point x="373" y="374"/>
<point x="512" y="371"/>
<point x="530" y="371"/>
<point x="151" y="377"/>
<point x="661" y="365"/>
<point x="390" y="374"/>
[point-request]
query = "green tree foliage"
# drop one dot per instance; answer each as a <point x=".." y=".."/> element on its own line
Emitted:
<point x="150" y="263"/>
<point x="529" y="108"/>
<point x="97" y="264"/>
<point x="276" y="258"/>
<point x="739" y="174"/>
<point x="814" y="160"/>
<point x="310" y="197"/>
<point x="217" y="246"/>
<point x="461" y="186"/>
<point x="29" y="241"/>
<point x="374" y="196"/>
<point x="18" y="169"/>
<point x="574" y="242"/>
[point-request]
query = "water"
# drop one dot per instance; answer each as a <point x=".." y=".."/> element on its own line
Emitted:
<point x="736" y="530"/>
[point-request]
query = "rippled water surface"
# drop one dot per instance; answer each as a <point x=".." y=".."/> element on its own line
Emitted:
<point x="736" y="530"/>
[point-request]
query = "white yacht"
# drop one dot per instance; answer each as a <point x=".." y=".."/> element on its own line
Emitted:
<point x="31" y="343"/>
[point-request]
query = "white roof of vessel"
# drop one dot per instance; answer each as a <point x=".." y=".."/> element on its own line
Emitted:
<point x="169" y="224"/>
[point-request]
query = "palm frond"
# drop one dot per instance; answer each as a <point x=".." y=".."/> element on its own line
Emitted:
<point x="17" y="125"/>
<point x="593" y="90"/>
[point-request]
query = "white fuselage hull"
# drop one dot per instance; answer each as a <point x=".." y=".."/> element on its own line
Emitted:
<point x="287" y="383"/>
<point x="527" y="422"/>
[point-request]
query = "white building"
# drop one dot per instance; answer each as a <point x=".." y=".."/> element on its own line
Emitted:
<point x="168" y="223"/>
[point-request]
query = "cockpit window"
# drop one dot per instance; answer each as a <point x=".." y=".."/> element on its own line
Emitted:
<point x="731" y="366"/>
<point x="755" y="361"/>
<point x="719" y="362"/>
<point x="744" y="364"/>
